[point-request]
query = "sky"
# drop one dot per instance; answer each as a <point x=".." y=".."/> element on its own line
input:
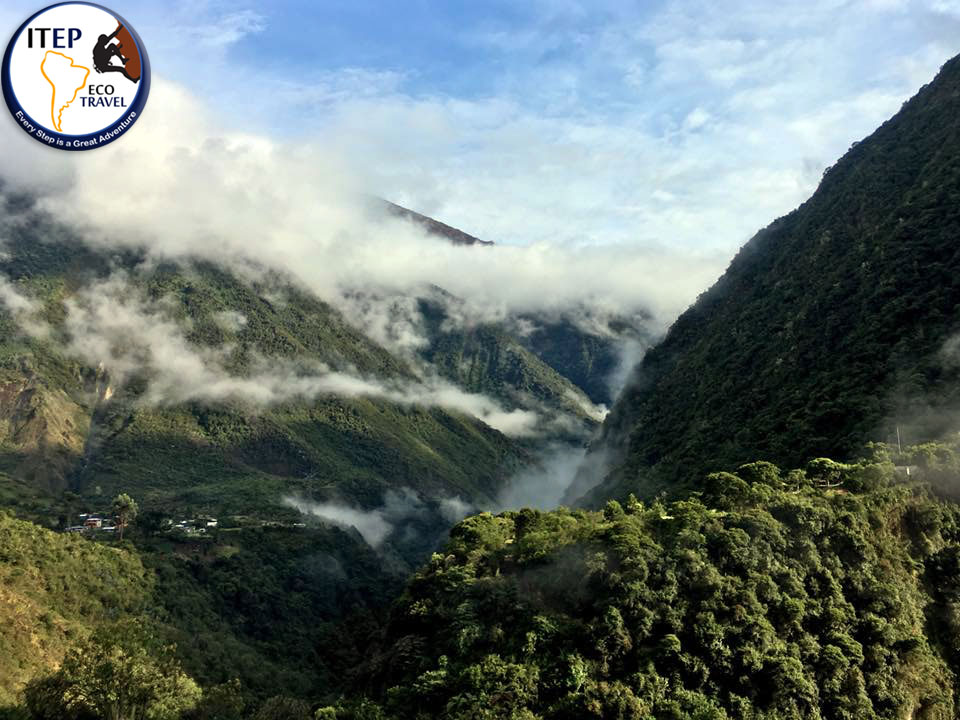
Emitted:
<point x="687" y="124"/>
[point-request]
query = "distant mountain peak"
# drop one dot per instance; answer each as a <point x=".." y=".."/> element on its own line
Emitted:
<point x="433" y="227"/>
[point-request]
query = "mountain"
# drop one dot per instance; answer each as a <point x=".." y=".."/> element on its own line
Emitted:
<point x="334" y="464"/>
<point x="68" y="421"/>
<point x="830" y="328"/>
<point x="224" y="456"/>
<point x="589" y="350"/>
<point x="252" y="602"/>
<point x="594" y="353"/>
<point x="433" y="227"/>
<point x="488" y="358"/>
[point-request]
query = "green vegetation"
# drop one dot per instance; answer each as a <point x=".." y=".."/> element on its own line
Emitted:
<point x="279" y="320"/>
<point x="259" y="601"/>
<point x="827" y="592"/>
<point x="54" y="590"/>
<point x="231" y="459"/>
<point x="125" y="510"/>
<point x="58" y="430"/>
<point x="277" y="609"/>
<point x="767" y="596"/>
<point x="588" y="360"/>
<point x="488" y="359"/>
<point x="550" y="358"/>
<point x="115" y="675"/>
<point x="284" y="610"/>
<point x="829" y="328"/>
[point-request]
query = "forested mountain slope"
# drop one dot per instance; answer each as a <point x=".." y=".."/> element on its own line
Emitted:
<point x="221" y="454"/>
<point x="54" y="590"/>
<point x="194" y="388"/>
<point x="771" y="596"/>
<point x="831" y="327"/>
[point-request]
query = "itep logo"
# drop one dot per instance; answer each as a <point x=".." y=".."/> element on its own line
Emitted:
<point x="75" y="76"/>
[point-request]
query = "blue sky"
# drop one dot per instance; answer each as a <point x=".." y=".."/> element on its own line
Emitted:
<point x="688" y="124"/>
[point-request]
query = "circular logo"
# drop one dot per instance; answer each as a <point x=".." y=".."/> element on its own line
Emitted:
<point x="75" y="76"/>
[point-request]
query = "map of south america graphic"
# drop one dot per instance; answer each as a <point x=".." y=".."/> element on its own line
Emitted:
<point x="66" y="79"/>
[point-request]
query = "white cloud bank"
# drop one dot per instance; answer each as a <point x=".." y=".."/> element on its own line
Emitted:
<point x="371" y="524"/>
<point x="181" y="186"/>
<point x="398" y="509"/>
<point x="16" y="302"/>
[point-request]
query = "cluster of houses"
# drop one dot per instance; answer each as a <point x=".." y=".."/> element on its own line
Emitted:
<point x="196" y="526"/>
<point x="93" y="522"/>
<point x="98" y="523"/>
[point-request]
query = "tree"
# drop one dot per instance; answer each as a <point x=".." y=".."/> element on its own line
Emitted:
<point x="725" y="491"/>
<point x="827" y="473"/>
<point x="71" y="501"/>
<point x="494" y="689"/>
<point x="281" y="707"/>
<point x="761" y="472"/>
<point x="115" y="675"/>
<point x="125" y="509"/>
<point x="226" y="701"/>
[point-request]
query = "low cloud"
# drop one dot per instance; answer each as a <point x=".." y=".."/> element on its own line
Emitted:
<point x="401" y="511"/>
<point x="230" y="320"/>
<point x="24" y="309"/>
<point x="15" y="301"/>
<point x="925" y="406"/>
<point x="591" y="470"/>
<point x="544" y="484"/>
<point x="455" y="509"/>
<point x="183" y="188"/>
<point x="371" y="524"/>
<point x="395" y="322"/>
<point x="631" y="353"/>
<point x="591" y="410"/>
<point x="109" y="323"/>
<point x="670" y="131"/>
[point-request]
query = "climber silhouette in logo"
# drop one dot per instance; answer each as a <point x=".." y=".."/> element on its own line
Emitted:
<point x="125" y="49"/>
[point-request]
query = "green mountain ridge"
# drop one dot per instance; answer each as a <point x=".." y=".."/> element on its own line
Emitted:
<point x="828" y="328"/>
<point x="351" y="449"/>
<point x="274" y="595"/>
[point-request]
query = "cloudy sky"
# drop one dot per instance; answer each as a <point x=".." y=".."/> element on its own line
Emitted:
<point x="685" y="124"/>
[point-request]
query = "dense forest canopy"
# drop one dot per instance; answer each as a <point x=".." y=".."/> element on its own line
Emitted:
<point x="827" y="592"/>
